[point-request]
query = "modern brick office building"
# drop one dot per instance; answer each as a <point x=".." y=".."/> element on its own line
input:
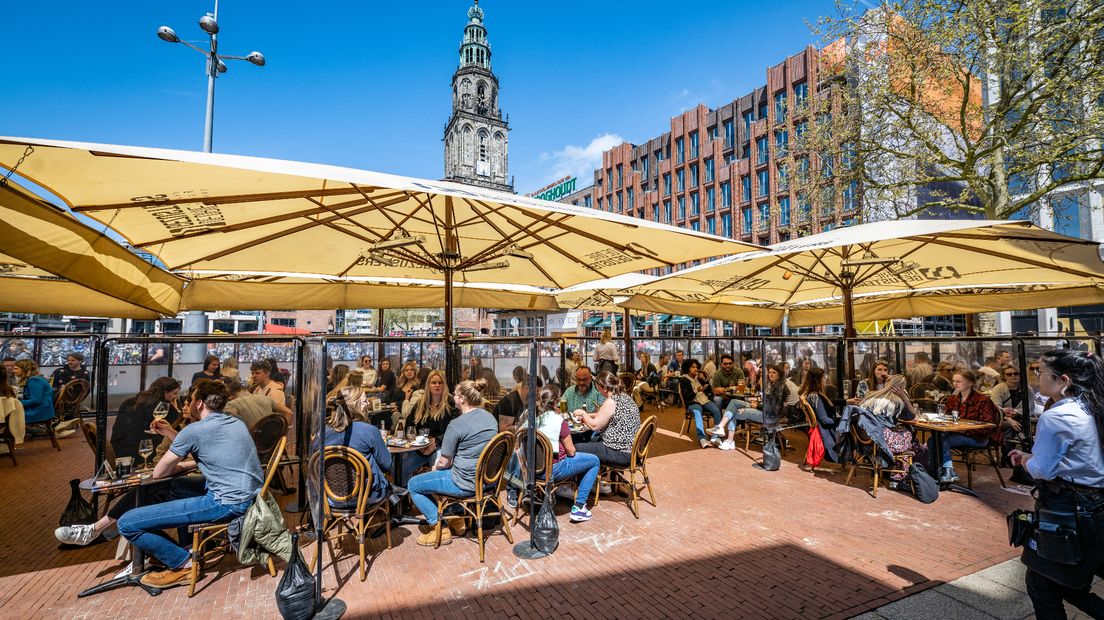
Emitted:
<point x="734" y="170"/>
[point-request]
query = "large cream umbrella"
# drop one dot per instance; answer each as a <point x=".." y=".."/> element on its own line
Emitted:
<point x="883" y="258"/>
<point x="202" y="211"/>
<point x="40" y="240"/>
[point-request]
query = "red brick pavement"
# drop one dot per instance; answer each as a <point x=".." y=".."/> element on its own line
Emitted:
<point x="725" y="541"/>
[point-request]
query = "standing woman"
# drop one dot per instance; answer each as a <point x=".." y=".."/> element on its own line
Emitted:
<point x="1068" y="464"/>
<point x="605" y="354"/>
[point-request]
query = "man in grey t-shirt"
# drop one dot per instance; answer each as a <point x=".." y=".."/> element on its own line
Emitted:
<point x="220" y="446"/>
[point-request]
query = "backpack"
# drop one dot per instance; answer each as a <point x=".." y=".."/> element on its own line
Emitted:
<point x="926" y="488"/>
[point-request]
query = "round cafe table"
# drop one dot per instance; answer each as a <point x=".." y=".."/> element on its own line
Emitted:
<point x="397" y="451"/>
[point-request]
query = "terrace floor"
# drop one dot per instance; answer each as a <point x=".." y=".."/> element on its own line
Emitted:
<point x="726" y="540"/>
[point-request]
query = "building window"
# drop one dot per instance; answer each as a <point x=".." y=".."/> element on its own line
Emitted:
<point x="803" y="169"/>
<point x="681" y="208"/>
<point x="764" y="182"/>
<point x="600" y="204"/>
<point x="781" y="143"/>
<point x="801" y="96"/>
<point x="587" y="202"/>
<point x="780" y="107"/>
<point x="745" y="182"/>
<point x="730" y="134"/>
<point x="828" y="201"/>
<point x="730" y="158"/>
<point x="783" y="211"/>
<point x="644" y="168"/>
<point x="711" y="225"/>
<point x="783" y="177"/>
<point x="762" y="150"/>
<point x="680" y="151"/>
<point x="609" y="178"/>
<point x="283" y="322"/>
<point x="667" y="184"/>
<point x="764" y="216"/>
<point x="713" y="133"/>
<point x="748" y="117"/>
<point x="746" y="214"/>
<point x="726" y="224"/>
<point x="659" y="155"/>
<point x="655" y="212"/>
<point x="620" y="202"/>
<point x="763" y="110"/>
<point x="849" y="196"/>
<point x="800" y="129"/>
<point x="680" y="180"/>
<point x="629" y="192"/>
<point x="804" y="209"/>
<point x="694" y="143"/>
<point x="826" y="165"/>
<point x="667" y="211"/>
<point x="709" y="170"/>
<point x="695" y="225"/>
<point x="710" y="199"/>
<point x="693" y="175"/>
<point x="726" y="195"/>
<point x="620" y="176"/>
<point x="695" y="204"/>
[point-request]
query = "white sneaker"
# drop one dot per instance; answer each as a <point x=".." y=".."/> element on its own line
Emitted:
<point x="727" y="445"/>
<point x="716" y="430"/>
<point x="704" y="443"/>
<point x="64" y="424"/>
<point x="75" y="534"/>
<point x="605" y="488"/>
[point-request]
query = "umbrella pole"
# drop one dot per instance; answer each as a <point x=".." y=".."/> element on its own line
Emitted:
<point x="452" y="362"/>
<point x="848" y="329"/>
<point x="630" y="359"/>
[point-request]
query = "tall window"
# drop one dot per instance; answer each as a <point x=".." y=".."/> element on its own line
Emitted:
<point x="730" y="134"/>
<point x="710" y="199"/>
<point x="620" y="176"/>
<point x="783" y="211"/>
<point x="781" y="142"/>
<point x="629" y="195"/>
<point x="693" y="175"/>
<point x="764" y="182"/>
<point x="764" y="216"/>
<point x="826" y="165"/>
<point x="695" y="204"/>
<point x="695" y="225"/>
<point x="748" y="117"/>
<point x="693" y="145"/>
<point x="609" y="179"/>
<point x="804" y="209"/>
<point x="780" y="107"/>
<point x="667" y="184"/>
<point x="713" y="134"/>
<point x="655" y="212"/>
<point x="600" y="205"/>
<point x="709" y="170"/>
<point x="801" y="96"/>
<point x="644" y="168"/>
<point x="711" y="225"/>
<point x="726" y="224"/>
<point x="849" y="196"/>
<point x="783" y="177"/>
<point x="680" y="151"/>
<point x="746" y="215"/>
<point x="762" y="110"/>
<point x="667" y="211"/>
<point x="726" y="195"/>
<point x="680" y="184"/>
<point x="587" y="202"/>
<point x="659" y="155"/>
<point x="745" y="182"/>
<point x="762" y="150"/>
<point x="620" y="202"/>
<point x="681" y="208"/>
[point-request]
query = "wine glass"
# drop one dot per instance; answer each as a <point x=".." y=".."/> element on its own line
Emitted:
<point x="411" y="433"/>
<point x="160" y="412"/>
<point x="145" y="448"/>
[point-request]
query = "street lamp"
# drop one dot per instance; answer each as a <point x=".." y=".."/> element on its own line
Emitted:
<point x="215" y="64"/>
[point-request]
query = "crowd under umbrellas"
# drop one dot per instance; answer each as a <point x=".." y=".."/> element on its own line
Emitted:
<point x="244" y="232"/>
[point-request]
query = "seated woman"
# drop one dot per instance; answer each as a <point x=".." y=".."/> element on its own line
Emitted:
<point x="697" y="395"/>
<point x="434" y="412"/>
<point x="776" y="394"/>
<point x="407" y="383"/>
<point x="344" y="429"/>
<point x="338" y="379"/>
<point x="875" y="381"/>
<point x="617" y="419"/>
<point x="9" y="405"/>
<point x="211" y="369"/>
<point x="567" y="462"/>
<point x="970" y="405"/>
<point x="135" y="416"/>
<point x="647" y="379"/>
<point x="352" y="393"/>
<point x="384" y="387"/>
<point x="38" y="396"/>
<point x="812" y="388"/>
<point x="454" y="472"/>
<point x="893" y="405"/>
<point x="367" y="369"/>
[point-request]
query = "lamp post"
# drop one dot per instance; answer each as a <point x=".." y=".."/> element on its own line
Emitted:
<point x="215" y="65"/>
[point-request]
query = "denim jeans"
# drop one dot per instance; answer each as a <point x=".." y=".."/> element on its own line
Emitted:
<point x="437" y="481"/>
<point x="696" y="409"/>
<point x="412" y="461"/>
<point x="956" y="440"/>
<point x="582" y="464"/>
<point x="143" y="527"/>
<point x="733" y="405"/>
<point x="741" y="413"/>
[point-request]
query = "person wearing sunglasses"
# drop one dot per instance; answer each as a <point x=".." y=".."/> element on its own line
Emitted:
<point x="1008" y="396"/>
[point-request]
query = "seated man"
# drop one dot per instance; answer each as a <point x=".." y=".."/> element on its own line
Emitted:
<point x="262" y="382"/>
<point x="583" y="395"/>
<point x="727" y="376"/>
<point x="224" y="452"/>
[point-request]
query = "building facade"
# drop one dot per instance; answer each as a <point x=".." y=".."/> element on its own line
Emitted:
<point x="477" y="133"/>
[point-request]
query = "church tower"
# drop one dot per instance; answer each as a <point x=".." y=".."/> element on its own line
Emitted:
<point x="477" y="134"/>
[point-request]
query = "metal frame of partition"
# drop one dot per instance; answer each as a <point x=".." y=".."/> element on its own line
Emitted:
<point x="91" y="356"/>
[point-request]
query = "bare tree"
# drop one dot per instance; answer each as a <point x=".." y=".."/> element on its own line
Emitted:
<point x="981" y="106"/>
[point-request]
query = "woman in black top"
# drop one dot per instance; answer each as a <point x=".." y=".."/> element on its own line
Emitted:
<point x="136" y="415"/>
<point x="211" y="369"/>
<point x="385" y="382"/>
<point x="434" y="412"/>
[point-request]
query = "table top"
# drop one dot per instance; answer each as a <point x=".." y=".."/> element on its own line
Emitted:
<point x="401" y="446"/>
<point x="140" y="478"/>
<point x="962" y="426"/>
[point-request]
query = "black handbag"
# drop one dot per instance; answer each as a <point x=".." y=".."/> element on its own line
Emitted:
<point x="78" y="511"/>
<point x="295" y="592"/>
<point x="924" y="486"/>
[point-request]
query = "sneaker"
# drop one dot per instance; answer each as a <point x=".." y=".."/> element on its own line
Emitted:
<point x="168" y="578"/>
<point x="126" y="572"/>
<point x="704" y="443"/>
<point x="605" y="488"/>
<point x="512" y="500"/>
<point x="430" y="539"/>
<point x="727" y="445"/>
<point x="76" y="534"/>
<point x="716" y="430"/>
<point x="66" y="424"/>
<point x="66" y="433"/>
<point x="579" y="514"/>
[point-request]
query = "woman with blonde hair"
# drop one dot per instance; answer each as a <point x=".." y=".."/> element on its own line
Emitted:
<point x="434" y="412"/>
<point x="352" y="393"/>
<point x="230" y="368"/>
<point x="407" y="383"/>
<point x="893" y="405"/>
<point x="605" y="354"/>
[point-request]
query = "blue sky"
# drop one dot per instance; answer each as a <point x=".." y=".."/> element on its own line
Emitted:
<point x="367" y="84"/>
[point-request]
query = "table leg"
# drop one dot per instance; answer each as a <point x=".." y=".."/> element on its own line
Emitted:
<point x="137" y="567"/>
<point x="400" y="517"/>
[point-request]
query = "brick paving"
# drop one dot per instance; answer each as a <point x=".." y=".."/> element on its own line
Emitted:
<point x="725" y="541"/>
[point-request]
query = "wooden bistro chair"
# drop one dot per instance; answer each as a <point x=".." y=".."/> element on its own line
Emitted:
<point x="266" y="434"/>
<point x="349" y="479"/>
<point x="543" y="471"/>
<point x="967" y="455"/>
<point x="490" y="480"/>
<point x="67" y="403"/>
<point x="688" y="418"/>
<point x="635" y="476"/>
<point x="865" y="455"/>
<point x="209" y="540"/>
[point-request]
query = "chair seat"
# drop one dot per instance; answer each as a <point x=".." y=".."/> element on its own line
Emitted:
<point x="198" y="527"/>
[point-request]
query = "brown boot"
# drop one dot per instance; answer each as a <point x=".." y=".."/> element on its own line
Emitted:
<point x="429" y="539"/>
<point x="168" y="578"/>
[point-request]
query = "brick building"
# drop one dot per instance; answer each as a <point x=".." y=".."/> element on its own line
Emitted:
<point x="734" y="170"/>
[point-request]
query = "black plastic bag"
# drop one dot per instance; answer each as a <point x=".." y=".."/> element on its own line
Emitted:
<point x="772" y="455"/>
<point x="545" y="533"/>
<point x="295" y="592"/>
<point x="926" y="488"/>
<point x="78" y="511"/>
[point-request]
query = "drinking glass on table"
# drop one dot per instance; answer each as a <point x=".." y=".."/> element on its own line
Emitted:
<point x="411" y="433"/>
<point x="145" y="448"/>
<point x="160" y="412"/>
<point x="941" y="409"/>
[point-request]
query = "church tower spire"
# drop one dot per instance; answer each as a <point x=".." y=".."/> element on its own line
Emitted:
<point x="477" y="133"/>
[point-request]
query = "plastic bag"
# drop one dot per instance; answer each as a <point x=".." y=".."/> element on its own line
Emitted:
<point x="545" y="533"/>
<point x="926" y="488"/>
<point x="772" y="455"/>
<point x="295" y="592"/>
<point x="78" y="511"/>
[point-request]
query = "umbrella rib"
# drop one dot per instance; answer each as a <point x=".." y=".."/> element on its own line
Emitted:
<point x="217" y="200"/>
<point x="1029" y="261"/>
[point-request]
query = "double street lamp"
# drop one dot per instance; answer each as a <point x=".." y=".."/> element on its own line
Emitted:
<point x="215" y="64"/>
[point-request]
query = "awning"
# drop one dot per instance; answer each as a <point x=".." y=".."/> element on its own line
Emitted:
<point x="592" y="321"/>
<point x="681" y="320"/>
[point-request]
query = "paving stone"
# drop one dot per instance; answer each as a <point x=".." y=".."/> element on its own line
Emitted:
<point x="1009" y="574"/>
<point x="930" y="604"/>
<point x="988" y="596"/>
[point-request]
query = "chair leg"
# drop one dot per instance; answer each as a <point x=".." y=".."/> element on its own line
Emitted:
<point x="647" y="483"/>
<point x="632" y="491"/>
<point x="479" y="532"/>
<point x="363" y="561"/>
<point x="969" y="470"/>
<point x="877" y="471"/>
<point x="387" y="522"/>
<point x="850" y="473"/>
<point x="197" y="559"/>
<point x="53" y="435"/>
<point x="996" y="468"/>
<point x="505" y="523"/>
<point x="271" y="567"/>
<point x="685" y="427"/>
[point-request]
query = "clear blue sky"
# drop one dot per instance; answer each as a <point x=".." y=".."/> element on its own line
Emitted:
<point x="367" y="84"/>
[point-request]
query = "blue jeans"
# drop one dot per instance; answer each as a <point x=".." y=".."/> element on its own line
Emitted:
<point x="414" y="460"/>
<point x="582" y="464"/>
<point x="438" y="481"/>
<point x="696" y="409"/>
<point x="741" y="412"/>
<point x="956" y="440"/>
<point x="143" y="527"/>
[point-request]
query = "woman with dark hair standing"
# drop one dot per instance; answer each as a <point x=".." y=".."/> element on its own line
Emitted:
<point x="617" y="419"/>
<point x="1068" y="464"/>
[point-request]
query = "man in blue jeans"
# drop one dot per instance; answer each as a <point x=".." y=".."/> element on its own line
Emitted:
<point x="222" y="449"/>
